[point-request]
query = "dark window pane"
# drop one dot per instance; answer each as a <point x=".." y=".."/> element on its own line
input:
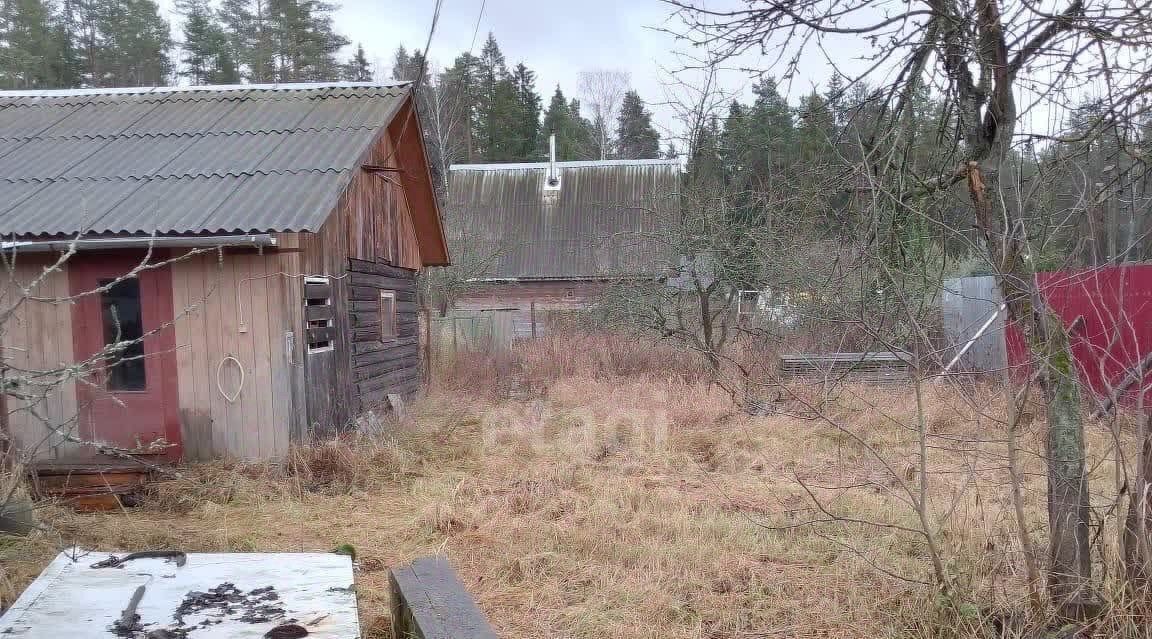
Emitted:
<point x="122" y="323"/>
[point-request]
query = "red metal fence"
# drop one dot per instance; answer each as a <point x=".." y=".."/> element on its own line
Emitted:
<point x="1116" y="332"/>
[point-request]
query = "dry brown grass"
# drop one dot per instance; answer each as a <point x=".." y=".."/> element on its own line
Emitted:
<point x="622" y="505"/>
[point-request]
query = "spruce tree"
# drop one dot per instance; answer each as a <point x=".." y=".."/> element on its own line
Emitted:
<point x="816" y="131"/>
<point x="496" y="106"/>
<point x="581" y="134"/>
<point x="636" y="138"/>
<point x="573" y="134"/>
<point x="357" y="69"/>
<point x="458" y="93"/>
<point x="526" y="125"/>
<point x="770" y="134"/>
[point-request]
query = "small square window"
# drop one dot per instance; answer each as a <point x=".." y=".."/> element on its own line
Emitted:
<point x="387" y="315"/>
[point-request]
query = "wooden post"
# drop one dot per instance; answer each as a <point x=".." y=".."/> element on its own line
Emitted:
<point x="533" y="310"/>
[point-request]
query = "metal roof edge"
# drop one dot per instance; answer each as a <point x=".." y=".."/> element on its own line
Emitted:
<point x="578" y="164"/>
<point x="287" y="86"/>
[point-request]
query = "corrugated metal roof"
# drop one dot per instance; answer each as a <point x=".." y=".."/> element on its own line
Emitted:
<point x="258" y="158"/>
<point x="602" y="222"/>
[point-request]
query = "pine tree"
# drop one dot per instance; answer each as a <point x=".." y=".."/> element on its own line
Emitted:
<point x="357" y="69"/>
<point x="636" y="138"/>
<point x="207" y="55"/>
<point x="35" y="51"/>
<point x="122" y="43"/>
<point x="248" y="28"/>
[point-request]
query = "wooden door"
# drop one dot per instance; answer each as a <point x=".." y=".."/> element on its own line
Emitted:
<point x="131" y="399"/>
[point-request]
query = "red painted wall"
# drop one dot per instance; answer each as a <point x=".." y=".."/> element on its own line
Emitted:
<point x="1116" y="304"/>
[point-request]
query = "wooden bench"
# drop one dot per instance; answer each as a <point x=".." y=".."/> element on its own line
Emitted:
<point x="429" y="602"/>
<point x="885" y="366"/>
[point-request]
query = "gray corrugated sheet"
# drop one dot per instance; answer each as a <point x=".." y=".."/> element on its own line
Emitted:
<point x="604" y="221"/>
<point x="186" y="160"/>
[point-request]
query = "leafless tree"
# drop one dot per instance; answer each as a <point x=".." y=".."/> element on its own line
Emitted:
<point x="981" y="56"/>
<point x="603" y="91"/>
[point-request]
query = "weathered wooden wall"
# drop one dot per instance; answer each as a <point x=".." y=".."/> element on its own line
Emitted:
<point x="38" y="337"/>
<point x="532" y="301"/>
<point x="380" y="367"/>
<point x="368" y="244"/>
<point x="372" y="226"/>
<point x="211" y="297"/>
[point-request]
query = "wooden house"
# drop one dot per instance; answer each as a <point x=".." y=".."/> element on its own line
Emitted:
<point x="288" y="223"/>
<point x="553" y="236"/>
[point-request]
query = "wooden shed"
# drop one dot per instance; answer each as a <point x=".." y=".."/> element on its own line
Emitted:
<point x="282" y="227"/>
<point x="554" y="236"/>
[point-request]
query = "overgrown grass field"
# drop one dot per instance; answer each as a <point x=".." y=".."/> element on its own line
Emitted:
<point x="597" y="499"/>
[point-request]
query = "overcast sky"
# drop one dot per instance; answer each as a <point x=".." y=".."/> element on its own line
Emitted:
<point x="555" y="39"/>
<point x="559" y="39"/>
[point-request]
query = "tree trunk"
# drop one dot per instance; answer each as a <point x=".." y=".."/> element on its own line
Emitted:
<point x="1070" y="564"/>
<point x="1138" y="524"/>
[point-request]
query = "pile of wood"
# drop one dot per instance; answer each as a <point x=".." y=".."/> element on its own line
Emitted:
<point x="874" y="367"/>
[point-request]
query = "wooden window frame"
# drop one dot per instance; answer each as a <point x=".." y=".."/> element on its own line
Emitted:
<point x="388" y="329"/>
<point x="319" y="318"/>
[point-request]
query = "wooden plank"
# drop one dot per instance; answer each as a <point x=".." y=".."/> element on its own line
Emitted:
<point x="344" y="407"/>
<point x="372" y="293"/>
<point x="372" y="371"/>
<point x="227" y="323"/>
<point x="373" y="346"/>
<point x="261" y="356"/>
<point x="192" y="433"/>
<point x="318" y="313"/>
<point x="429" y="602"/>
<point x="372" y="333"/>
<point x="278" y="384"/>
<point x="293" y="264"/>
<point x="369" y="313"/>
<point x="378" y="268"/>
<point x="317" y="291"/>
<point x="381" y="281"/>
<point x="199" y="413"/>
<point x="385" y="355"/>
<point x="388" y="381"/>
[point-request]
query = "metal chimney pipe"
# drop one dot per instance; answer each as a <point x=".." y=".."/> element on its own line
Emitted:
<point x="552" y="177"/>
